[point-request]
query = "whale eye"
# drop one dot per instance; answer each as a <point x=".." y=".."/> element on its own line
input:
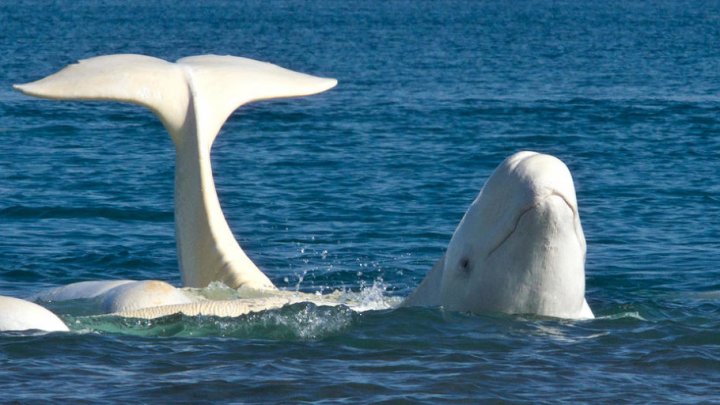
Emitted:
<point x="465" y="266"/>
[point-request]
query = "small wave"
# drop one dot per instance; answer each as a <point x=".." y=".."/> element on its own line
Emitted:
<point x="372" y="297"/>
<point x="563" y="334"/>
<point x="302" y="321"/>
<point x="304" y="316"/>
<point x="623" y="315"/>
<point x="25" y="212"/>
<point x="708" y="295"/>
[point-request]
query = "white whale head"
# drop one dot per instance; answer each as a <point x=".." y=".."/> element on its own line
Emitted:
<point x="519" y="249"/>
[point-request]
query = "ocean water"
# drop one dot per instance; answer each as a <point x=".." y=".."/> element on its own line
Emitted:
<point x="359" y="189"/>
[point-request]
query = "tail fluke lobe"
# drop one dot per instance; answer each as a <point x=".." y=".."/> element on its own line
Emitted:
<point x="150" y="82"/>
<point x="221" y="84"/>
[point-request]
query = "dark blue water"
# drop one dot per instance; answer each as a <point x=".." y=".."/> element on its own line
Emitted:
<point x="360" y="189"/>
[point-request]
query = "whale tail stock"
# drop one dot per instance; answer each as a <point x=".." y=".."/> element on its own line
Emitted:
<point x="193" y="98"/>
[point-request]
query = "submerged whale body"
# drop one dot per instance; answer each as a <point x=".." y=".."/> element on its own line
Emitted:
<point x="519" y="249"/>
<point x="20" y="315"/>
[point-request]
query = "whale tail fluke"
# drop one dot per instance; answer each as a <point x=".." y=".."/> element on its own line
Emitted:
<point x="214" y="86"/>
<point x="193" y="98"/>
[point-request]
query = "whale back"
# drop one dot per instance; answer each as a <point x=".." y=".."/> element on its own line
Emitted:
<point x="77" y="291"/>
<point x="142" y="294"/>
<point x="19" y="315"/>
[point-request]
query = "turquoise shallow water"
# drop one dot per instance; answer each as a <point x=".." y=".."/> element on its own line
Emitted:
<point x="360" y="189"/>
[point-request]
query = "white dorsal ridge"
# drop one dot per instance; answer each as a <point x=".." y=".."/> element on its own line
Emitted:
<point x="193" y="98"/>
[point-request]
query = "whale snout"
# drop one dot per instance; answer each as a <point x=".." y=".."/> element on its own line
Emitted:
<point x="553" y="210"/>
<point x="541" y="176"/>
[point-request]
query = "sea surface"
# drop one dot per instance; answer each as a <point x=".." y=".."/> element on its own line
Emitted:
<point x="359" y="190"/>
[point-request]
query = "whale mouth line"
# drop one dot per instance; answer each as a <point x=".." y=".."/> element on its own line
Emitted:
<point x="522" y="213"/>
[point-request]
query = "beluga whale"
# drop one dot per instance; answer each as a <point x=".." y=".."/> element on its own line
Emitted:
<point x="519" y="249"/>
<point x="193" y="98"/>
